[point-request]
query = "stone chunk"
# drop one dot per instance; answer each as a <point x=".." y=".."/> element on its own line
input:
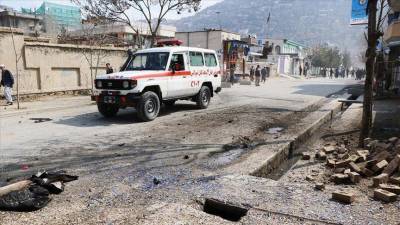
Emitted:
<point x="309" y="178"/>
<point x="320" y="155"/>
<point x="345" y="197"/>
<point x="339" y="170"/>
<point x="329" y="149"/>
<point x="389" y="187"/>
<point x="305" y="156"/>
<point x="363" y="155"/>
<point x="385" y="196"/>
<point x="340" y="178"/>
<point x="367" y="141"/>
<point x="367" y="172"/>
<point x="354" y="167"/>
<point x="393" y="140"/>
<point x="383" y="155"/>
<point x="393" y="165"/>
<point x="379" y="166"/>
<point x="354" y="177"/>
<point x="354" y="158"/>
<point x="380" y="179"/>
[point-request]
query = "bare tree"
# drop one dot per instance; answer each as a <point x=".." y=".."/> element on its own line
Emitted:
<point x="375" y="26"/>
<point x="153" y="11"/>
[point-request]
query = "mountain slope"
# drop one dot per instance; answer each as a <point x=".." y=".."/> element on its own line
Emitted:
<point x="307" y="21"/>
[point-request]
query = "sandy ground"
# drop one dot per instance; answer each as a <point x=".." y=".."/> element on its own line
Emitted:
<point x="118" y="159"/>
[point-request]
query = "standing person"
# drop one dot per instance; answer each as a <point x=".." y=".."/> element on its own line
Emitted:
<point x="232" y="74"/>
<point x="300" y="70"/>
<point x="252" y="71"/>
<point x="7" y="80"/>
<point x="258" y="75"/>
<point x="306" y="67"/>
<point x="109" y="69"/>
<point x="264" y="74"/>
<point x="331" y="73"/>
<point x="337" y="73"/>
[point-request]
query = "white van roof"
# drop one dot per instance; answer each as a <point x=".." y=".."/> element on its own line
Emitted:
<point x="175" y="49"/>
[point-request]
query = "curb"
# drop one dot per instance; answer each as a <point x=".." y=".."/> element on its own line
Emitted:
<point x="284" y="152"/>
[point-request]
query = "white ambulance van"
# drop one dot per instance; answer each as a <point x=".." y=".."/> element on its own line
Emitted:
<point x="155" y="76"/>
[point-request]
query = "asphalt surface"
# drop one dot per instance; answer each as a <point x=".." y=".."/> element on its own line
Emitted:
<point x="119" y="159"/>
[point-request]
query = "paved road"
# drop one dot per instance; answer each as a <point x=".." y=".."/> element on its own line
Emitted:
<point x="174" y="147"/>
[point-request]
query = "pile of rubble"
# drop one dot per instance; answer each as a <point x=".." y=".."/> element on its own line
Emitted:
<point x="379" y="163"/>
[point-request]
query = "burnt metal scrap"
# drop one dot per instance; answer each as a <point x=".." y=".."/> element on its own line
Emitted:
<point x="34" y="193"/>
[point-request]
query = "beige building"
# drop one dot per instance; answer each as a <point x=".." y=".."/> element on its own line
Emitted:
<point x="210" y="39"/>
<point x="45" y="67"/>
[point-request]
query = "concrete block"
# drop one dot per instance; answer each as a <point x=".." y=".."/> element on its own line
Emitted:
<point x="354" y="167"/>
<point x="393" y="165"/>
<point x="345" y="197"/>
<point x="380" y="179"/>
<point x="385" y="196"/>
<point x="354" y="177"/>
<point x="379" y="166"/>
<point x="391" y="188"/>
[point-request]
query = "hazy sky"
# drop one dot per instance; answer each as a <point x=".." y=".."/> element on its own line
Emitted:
<point x="17" y="4"/>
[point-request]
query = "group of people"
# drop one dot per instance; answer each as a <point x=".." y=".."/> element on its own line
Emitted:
<point x="259" y="74"/>
<point x="358" y="74"/>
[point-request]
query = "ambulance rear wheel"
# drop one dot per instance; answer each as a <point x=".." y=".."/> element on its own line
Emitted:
<point x="107" y="110"/>
<point x="148" y="106"/>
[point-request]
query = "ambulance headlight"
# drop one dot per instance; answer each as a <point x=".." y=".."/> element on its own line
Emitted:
<point x="125" y="84"/>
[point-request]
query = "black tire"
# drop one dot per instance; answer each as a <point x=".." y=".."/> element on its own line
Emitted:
<point x="203" y="97"/>
<point x="148" y="106"/>
<point x="169" y="103"/>
<point x="108" y="110"/>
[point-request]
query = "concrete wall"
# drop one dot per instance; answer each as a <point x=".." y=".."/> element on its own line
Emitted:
<point x="47" y="67"/>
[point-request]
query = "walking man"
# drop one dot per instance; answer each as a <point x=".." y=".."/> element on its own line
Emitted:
<point x="264" y="74"/>
<point x="300" y="70"/>
<point x="109" y="69"/>
<point x="7" y="80"/>
<point x="258" y="75"/>
<point x="252" y="71"/>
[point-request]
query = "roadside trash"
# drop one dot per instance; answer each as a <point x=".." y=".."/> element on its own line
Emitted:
<point x="40" y="120"/>
<point x="34" y="193"/>
<point x="186" y="157"/>
<point x="156" y="181"/>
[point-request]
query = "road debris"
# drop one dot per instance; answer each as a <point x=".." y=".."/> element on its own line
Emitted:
<point x="34" y="193"/>
<point x="40" y="120"/>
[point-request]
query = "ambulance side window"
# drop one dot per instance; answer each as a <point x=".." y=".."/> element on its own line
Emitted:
<point x="196" y="59"/>
<point x="211" y="61"/>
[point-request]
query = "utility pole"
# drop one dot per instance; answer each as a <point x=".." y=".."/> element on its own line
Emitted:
<point x="370" y="67"/>
<point x="16" y="57"/>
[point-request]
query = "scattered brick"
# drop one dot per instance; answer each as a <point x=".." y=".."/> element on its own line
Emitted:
<point x="379" y="166"/>
<point x="394" y="180"/>
<point x="393" y="165"/>
<point x="385" y="196"/>
<point x="390" y="187"/>
<point x="329" y="149"/>
<point x="367" y="172"/>
<point x="383" y="155"/>
<point x="343" y="197"/>
<point x="343" y="163"/>
<point x="354" y="167"/>
<point x="354" y="177"/>
<point x="354" y="158"/>
<point x="305" y="156"/>
<point x="347" y="171"/>
<point x="380" y="179"/>
<point x="340" y="178"/>
<point x="320" y="155"/>
<point x="331" y="163"/>
<point x="339" y="170"/>
<point x="320" y="186"/>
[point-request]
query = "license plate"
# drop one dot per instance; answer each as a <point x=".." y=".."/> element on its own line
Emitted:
<point x="110" y="99"/>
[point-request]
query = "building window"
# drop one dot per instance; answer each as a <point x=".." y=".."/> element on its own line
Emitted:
<point x="278" y="50"/>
